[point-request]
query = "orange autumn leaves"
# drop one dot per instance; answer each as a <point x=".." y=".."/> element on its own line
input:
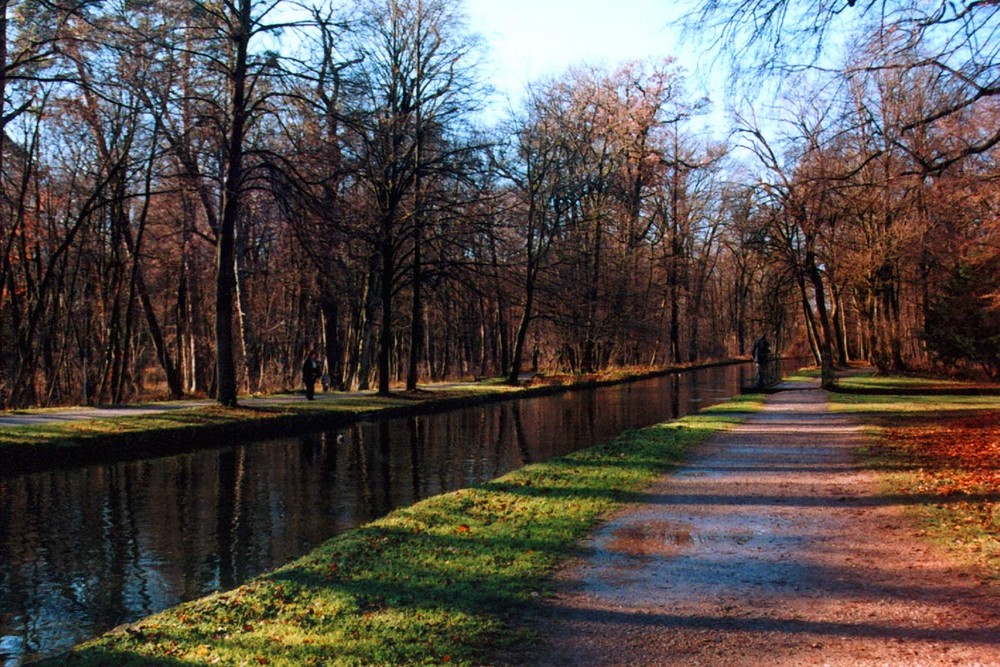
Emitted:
<point x="953" y="455"/>
<point x="951" y="466"/>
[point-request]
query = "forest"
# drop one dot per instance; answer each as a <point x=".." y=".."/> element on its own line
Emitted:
<point x="196" y="193"/>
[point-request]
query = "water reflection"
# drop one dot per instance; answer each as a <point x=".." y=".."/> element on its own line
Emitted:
<point x="87" y="549"/>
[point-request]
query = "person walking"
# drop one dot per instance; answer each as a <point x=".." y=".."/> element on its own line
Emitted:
<point x="310" y="373"/>
<point x="762" y="356"/>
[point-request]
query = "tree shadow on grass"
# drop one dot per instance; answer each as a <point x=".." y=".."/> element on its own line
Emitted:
<point x="102" y="656"/>
<point x="452" y="598"/>
<point x="742" y="499"/>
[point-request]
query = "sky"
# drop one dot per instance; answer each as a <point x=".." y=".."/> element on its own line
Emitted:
<point x="532" y="39"/>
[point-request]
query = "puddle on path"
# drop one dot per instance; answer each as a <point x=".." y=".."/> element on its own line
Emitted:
<point x="667" y="538"/>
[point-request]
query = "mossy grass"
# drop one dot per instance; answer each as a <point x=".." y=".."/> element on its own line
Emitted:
<point x="955" y="500"/>
<point x="442" y="581"/>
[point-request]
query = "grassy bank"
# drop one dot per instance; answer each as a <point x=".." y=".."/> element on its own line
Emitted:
<point x="900" y="385"/>
<point x="168" y="429"/>
<point x="939" y="451"/>
<point x="434" y="583"/>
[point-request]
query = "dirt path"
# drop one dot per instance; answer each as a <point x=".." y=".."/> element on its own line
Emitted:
<point x="769" y="548"/>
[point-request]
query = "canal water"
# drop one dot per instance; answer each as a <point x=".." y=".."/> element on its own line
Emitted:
<point x="86" y="549"/>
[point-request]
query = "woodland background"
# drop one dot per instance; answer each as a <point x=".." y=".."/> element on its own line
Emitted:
<point x="194" y="194"/>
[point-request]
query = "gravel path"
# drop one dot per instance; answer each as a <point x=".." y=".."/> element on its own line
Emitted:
<point x="770" y="547"/>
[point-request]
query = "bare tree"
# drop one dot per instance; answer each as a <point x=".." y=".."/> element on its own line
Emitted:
<point x="960" y="52"/>
<point x="416" y="76"/>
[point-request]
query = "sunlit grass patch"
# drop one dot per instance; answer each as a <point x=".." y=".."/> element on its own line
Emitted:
<point x="732" y="411"/>
<point x="172" y="418"/>
<point x="70" y="431"/>
<point x="873" y="404"/>
<point x="888" y="383"/>
<point x="803" y="374"/>
<point x="439" y="582"/>
<point x="95" y="432"/>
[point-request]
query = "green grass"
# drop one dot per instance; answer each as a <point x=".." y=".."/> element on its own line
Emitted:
<point x="873" y="405"/>
<point x="289" y="408"/>
<point x="802" y="375"/>
<point x="70" y="432"/>
<point x="873" y="381"/>
<point x="442" y="581"/>
<point x="182" y="428"/>
<point x="114" y="437"/>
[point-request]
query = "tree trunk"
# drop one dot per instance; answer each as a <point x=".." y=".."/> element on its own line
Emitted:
<point x="247" y="334"/>
<point x="186" y="357"/>
<point x="840" y="327"/>
<point x="174" y="385"/>
<point x="522" y="332"/>
<point x="225" y="288"/>
<point x="225" y="265"/>
<point x="385" y="347"/>
<point x="675" y="318"/>
<point x="366" y="337"/>
<point x="811" y="334"/>
<point x="827" y="341"/>
<point x="416" y="314"/>
<point x="334" y="351"/>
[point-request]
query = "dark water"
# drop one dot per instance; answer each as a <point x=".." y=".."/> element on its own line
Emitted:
<point x="84" y="550"/>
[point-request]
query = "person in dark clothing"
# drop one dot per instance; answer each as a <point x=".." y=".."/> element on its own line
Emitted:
<point x="310" y="373"/>
<point x="761" y="350"/>
<point x="762" y="355"/>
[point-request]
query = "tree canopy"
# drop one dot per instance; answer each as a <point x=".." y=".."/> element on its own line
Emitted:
<point x="194" y="195"/>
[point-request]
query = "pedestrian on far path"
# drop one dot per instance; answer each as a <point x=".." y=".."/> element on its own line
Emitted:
<point x="310" y="373"/>
<point x="762" y="355"/>
<point x="761" y="350"/>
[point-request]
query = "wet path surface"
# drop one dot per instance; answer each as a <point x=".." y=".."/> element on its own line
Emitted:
<point x="769" y="548"/>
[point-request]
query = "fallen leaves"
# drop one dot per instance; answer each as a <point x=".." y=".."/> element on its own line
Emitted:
<point x="955" y="455"/>
<point x="955" y="462"/>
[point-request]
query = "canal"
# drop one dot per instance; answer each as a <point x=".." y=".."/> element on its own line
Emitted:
<point x="84" y="550"/>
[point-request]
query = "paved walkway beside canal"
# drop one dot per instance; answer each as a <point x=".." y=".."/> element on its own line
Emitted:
<point x="83" y="413"/>
<point x="770" y="547"/>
